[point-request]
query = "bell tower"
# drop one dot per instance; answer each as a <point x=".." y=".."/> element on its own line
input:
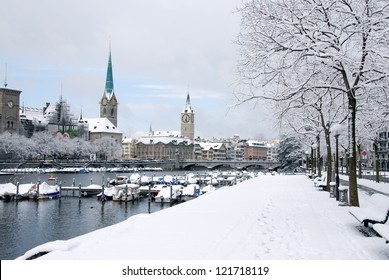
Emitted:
<point x="108" y="102"/>
<point x="187" y="120"/>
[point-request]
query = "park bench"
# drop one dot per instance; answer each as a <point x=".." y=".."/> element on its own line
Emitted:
<point x="320" y="182"/>
<point x="382" y="230"/>
<point x="375" y="212"/>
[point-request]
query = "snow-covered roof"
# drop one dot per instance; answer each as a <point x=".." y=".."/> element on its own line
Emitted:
<point x="101" y="125"/>
<point x="33" y="114"/>
<point x="127" y="140"/>
<point x="164" y="140"/>
<point x="165" y="133"/>
<point x="208" y="146"/>
<point x="253" y="143"/>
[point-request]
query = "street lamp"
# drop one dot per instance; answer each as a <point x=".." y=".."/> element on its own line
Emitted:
<point x="307" y="161"/>
<point x="314" y="147"/>
<point x="336" y="130"/>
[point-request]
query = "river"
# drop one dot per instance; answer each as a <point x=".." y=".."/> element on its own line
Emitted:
<point x="26" y="224"/>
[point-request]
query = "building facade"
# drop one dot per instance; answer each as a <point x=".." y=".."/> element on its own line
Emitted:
<point x="164" y="148"/>
<point x="255" y="150"/>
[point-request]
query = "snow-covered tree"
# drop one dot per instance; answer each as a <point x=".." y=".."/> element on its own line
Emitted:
<point x="290" y="153"/>
<point x="108" y="148"/>
<point x="291" y="47"/>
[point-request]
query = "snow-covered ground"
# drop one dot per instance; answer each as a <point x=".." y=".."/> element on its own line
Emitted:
<point x="281" y="217"/>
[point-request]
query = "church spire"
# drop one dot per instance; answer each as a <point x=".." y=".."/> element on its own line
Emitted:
<point x="109" y="79"/>
<point x="187" y="108"/>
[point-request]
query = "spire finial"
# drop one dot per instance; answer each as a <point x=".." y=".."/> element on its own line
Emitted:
<point x="5" y="76"/>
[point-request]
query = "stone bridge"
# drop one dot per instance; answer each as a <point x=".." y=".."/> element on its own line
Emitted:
<point x="166" y="165"/>
<point x="233" y="164"/>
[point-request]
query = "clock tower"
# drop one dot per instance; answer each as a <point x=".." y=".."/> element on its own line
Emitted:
<point x="187" y="120"/>
<point x="108" y="102"/>
<point x="9" y="110"/>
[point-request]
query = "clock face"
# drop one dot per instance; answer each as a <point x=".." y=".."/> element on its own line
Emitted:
<point x="104" y="101"/>
<point x="185" y="118"/>
<point x="10" y="104"/>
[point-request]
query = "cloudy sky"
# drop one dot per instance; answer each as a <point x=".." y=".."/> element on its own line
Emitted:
<point x="160" y="50"/>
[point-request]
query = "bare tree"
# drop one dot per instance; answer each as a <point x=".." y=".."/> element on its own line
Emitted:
<point x="288" y="46"/>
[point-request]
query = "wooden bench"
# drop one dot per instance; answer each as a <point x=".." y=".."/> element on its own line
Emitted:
<point x="375" y="212"/>
<point x="382" y="230"/>
<point x="320" y="182"/>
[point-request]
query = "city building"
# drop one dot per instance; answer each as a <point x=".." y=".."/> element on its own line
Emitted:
<point x="102" y="127"/>
<point x="255" y="150"/>
<point x="164" y="148"/>
<point x="128" y="148"/>
<point x="213" y="151"/>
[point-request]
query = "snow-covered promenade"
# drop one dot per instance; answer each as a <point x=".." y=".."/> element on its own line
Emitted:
<point x="281" y="217"/>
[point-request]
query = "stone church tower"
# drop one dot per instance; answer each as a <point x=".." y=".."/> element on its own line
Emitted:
<point x="108" y="103"/>
<point x="187" y="120"/>
<point x="9" y="110"/>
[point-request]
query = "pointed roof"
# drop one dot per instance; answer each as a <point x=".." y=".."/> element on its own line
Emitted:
<point x="187" y="108"/>
<point x="109" y="79"/>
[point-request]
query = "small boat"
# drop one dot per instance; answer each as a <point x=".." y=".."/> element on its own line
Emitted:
<point x="190" y="191"/>
<point x="169" y="194"/>
<point x="153" y="189"/>
<point x="43" y="191"/>
<point x="126" y="192"/>
<point x="91" y="190"/>
<point x="119" y="180"/>
<point x="108" y="194"/>
<point x="135" y="178"/>
<point x="207" y="188"/>
<point x="52" y="179"/>
<point x="7" y="191"/>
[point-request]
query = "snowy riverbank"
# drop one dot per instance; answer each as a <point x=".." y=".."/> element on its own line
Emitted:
<point x="272" y="218"/>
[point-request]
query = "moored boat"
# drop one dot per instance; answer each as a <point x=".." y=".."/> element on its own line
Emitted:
<point x="43" y="191"/>
<point x="169" y="194"/>
<point x="126" y="192"/>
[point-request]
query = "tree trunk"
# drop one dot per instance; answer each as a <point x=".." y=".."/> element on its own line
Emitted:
<point x="318" y="156"/>
<point x="353" y="187"/>
<point x="329" y="160"/>
<point x="377" y="171"/>
<point x="359" y="162"/>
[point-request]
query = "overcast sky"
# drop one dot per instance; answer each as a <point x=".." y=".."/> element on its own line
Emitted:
<point x="160" y="49"/>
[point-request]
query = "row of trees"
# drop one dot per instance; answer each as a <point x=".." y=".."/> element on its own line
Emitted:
<point x="320" y="63"/>
<point x="44" y="145"/>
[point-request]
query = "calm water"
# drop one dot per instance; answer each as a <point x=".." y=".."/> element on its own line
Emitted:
<point x="26" y="224"/>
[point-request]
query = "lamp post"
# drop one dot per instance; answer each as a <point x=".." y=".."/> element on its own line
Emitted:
<point x="336" y="130"/>
<point x="314" y="147"/>
<point x="307" y="160"/>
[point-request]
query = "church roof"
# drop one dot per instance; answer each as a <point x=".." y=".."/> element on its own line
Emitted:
<point x="109" y="79"/>
<point x="187" y="108"/>
<point x="101" y="125"/>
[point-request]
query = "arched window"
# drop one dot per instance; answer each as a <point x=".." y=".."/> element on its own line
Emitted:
<point x="104" y="111"/>
<point x="112" y="112"/>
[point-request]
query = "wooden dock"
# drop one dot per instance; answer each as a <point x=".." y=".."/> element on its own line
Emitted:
<point x="84" y="191"/>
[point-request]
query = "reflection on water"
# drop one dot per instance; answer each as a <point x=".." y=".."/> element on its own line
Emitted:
<point x="27" y="223"/>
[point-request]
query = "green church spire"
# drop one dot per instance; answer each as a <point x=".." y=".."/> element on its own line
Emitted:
<point x="109" y="79"/>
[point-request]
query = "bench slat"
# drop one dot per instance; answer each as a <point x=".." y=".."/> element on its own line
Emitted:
<point x="377" y="210"/>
